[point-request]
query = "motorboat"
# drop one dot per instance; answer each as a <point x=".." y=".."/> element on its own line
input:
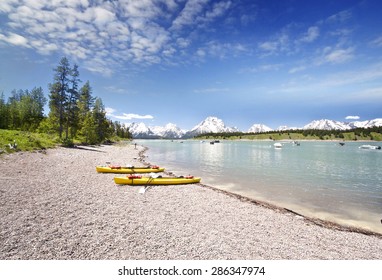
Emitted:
<point x="370" y="147"/>
<point x="277" y="145"/>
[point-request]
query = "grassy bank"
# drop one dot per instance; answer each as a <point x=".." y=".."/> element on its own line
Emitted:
<point x="25" y="141"/>
<point x="15" y="141"/>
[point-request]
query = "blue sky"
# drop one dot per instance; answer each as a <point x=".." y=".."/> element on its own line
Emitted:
<point x="158" y="61"/>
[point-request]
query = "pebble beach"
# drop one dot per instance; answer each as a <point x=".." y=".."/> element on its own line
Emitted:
<point x="54" y="205"/>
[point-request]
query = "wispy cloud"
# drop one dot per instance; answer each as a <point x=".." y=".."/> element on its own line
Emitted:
<point x="377" y="42"/>
<point x="359" y="78"/>
<point x="114" y="89"/>
<point x="297" y="69"/>
<point x="105" y="34"/>
<point x="211" y="90"/>
<point x="335" y="55"/>
<point x="262" y="68"/>
<point x="198" y="13"/>
<point x="279" y="44"/>
<point x="221" y="50"/>
<point x="125" y="116"/>
<point x="340" y="17"/>
<point x="311" y="35"/>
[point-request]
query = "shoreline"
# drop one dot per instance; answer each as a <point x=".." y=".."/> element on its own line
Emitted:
<point x="56" y="206"/>
<point x="243" y="198"/>
<point x="329" y="223"/>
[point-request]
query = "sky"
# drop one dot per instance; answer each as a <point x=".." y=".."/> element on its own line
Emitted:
<point x="179" y="61"/>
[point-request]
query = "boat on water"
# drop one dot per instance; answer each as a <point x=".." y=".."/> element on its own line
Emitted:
<point x="146" y="181"/>
<point x="277" y="145"/>
<point x="128" y="169"/>
<point x="370" y="147"/>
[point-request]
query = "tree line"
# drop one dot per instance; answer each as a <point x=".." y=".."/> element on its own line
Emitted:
<point x="74" y="112"/>
<point x="320" y="133"/>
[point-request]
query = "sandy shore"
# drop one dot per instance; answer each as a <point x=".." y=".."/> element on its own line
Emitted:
<point x="54" y="205"/>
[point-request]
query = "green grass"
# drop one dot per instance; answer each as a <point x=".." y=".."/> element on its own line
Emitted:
<point x="26" y="141"/>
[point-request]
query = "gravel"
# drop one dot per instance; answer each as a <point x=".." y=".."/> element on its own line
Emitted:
<point x="54" y="205"/>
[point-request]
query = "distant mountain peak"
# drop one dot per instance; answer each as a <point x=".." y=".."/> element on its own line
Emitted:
<point x="140" y="130"/>
<point x="326" y="124"/>
<point x="170" y="130"/>
<point x="215" y="125"/>
<point x="256" y="128"/>
<point x="210" y="125"/>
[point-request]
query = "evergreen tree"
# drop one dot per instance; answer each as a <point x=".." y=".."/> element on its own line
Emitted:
<point x="14" y="115"/>
<point x="85" y="102"/>
<point x="59" y="93"/>
<point x="31" y="109"/>
<point x="3" y="112"/>
<point x="72" y="106"/>
<point x="102" y="125"/>
<point x="88" y="129"/>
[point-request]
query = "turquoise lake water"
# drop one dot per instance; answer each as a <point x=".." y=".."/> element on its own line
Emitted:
<point x="318" y="179"/>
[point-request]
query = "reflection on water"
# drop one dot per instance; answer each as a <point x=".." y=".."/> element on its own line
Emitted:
<point x="320" y="179"/>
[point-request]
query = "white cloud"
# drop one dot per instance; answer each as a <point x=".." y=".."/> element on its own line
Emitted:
<point x="133" y="116"/>
<point x="211" y="90"/>
<point x="109" y="111"/>
<point x="335" y="55"/>
<point x="14" y="39"/>
<point x="280" y="43"/>
<point x="221" y="50"/>
<point x="189" y="13"/>
<point x="311" y="35"/>
<point x="269" y="46"/>
<point x="296" y="69"/>
<point x="377" y="42"/>
<point x="352" y="118"/>
<point x="107" y="34"/>
<point x="262" y="68"/>
<point x="115" y="89"/>
<point x="340" y="17"/>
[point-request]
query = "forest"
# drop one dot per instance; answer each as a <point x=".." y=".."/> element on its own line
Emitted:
<point x="75" y="115"/>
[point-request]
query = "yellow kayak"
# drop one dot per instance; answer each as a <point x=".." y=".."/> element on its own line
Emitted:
<point x="140" y="180"/>
<point x="128" y="169"/>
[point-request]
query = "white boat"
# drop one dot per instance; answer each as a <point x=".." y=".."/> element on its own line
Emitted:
<point x="277" y="145"/>
<point x="370" y="147"/>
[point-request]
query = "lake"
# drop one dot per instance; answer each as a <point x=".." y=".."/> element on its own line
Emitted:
<point x="318" y="179"/>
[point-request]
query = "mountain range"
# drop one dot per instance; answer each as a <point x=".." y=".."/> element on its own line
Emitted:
<point x="216" y="125"/>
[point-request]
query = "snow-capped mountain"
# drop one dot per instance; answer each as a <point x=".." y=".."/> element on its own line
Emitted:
<point x="285" y="127"/>
<point x="168" y="131"/>
<point x="215" y="125"/>
<point x="140" y="130"/>
<point x="366" y="124"/>
<point x="210" y="124"/>
<point x="256" y="128"/>
<point x="327" y="125"/>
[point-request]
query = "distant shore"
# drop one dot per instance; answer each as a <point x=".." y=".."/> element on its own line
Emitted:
<point x="55" y="206"/>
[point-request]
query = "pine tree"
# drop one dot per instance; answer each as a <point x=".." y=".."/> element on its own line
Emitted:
<point x="85" y="101"/>
<point x="88" y="129"/>
<point x="102" y="125"/>
<point x="14" y="116"/>
<point x="72" y="106"/>
<point x="58" y="93"/>
<point x="3" y="112"/>
<point x="31" y="109"/>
